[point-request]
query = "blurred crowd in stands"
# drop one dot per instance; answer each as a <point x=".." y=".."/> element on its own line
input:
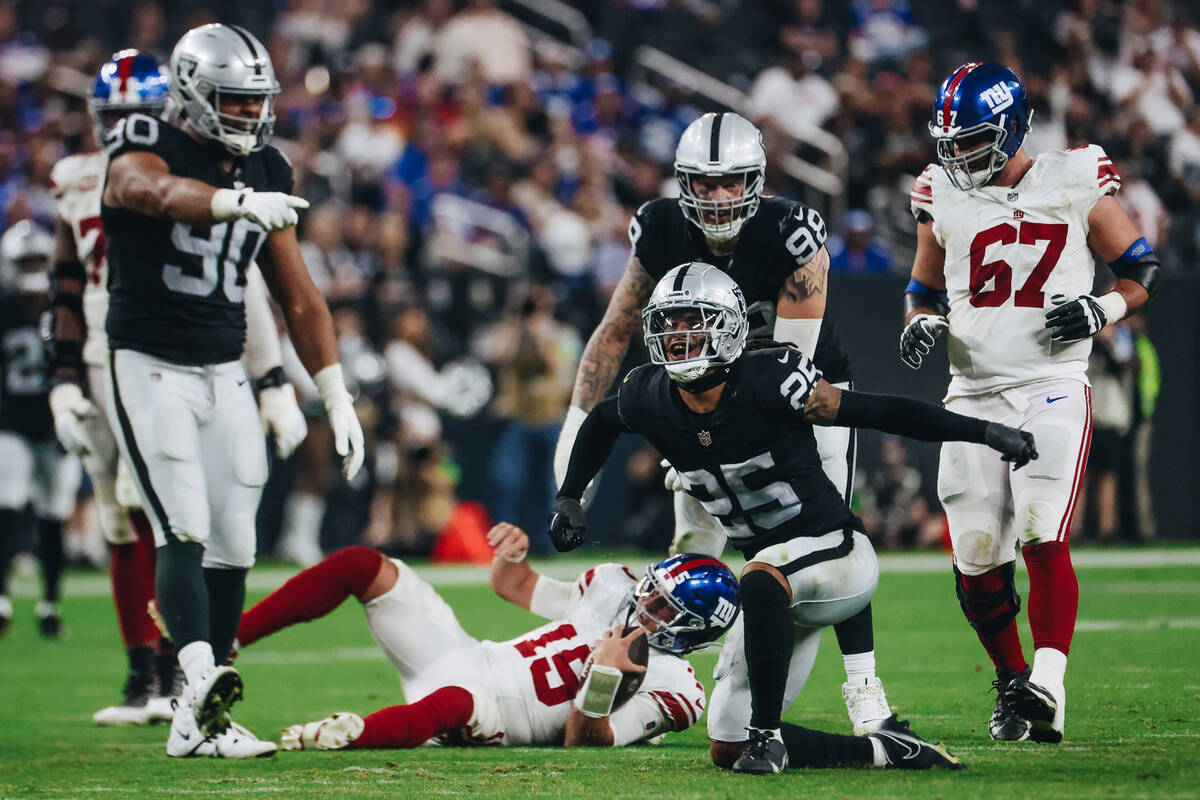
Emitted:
<point x="472" y="172"/>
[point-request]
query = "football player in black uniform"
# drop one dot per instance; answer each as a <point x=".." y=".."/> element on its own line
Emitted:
<point x="186" y="208"/>
<point x="775" y="250"/>
<point x="739" y="430"/>
<point x="34" y="471"/>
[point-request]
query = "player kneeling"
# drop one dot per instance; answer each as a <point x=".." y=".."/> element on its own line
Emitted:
<point x="578" y="680"/>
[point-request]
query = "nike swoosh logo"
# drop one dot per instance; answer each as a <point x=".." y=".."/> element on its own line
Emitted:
<point x="1056" y="399"/>
<point x="783" y="358"/>
<point x="908" y="746"/>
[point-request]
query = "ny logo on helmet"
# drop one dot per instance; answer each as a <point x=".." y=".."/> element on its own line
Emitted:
<point x="998" y="97"/>
<point x="725" y="611"/>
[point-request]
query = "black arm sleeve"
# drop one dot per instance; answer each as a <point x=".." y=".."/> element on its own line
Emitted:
<point x="595" y="441"/>
<point x="907" y="416"/>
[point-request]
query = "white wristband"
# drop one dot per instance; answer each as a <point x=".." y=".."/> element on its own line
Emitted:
<point x="1114" y="307"/>
<point x="330" y="384"/>
<point x="599" y="690"/>
<point x="225" y="203"/>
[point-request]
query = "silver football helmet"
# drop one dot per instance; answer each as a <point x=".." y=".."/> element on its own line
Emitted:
<point x="716" y="145"/>
<point x="695" y="321"/>
<point x="216" y="62"/>
<point x="25" y="259"/>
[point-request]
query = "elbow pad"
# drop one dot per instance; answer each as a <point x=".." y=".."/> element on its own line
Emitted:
<point x="918" y="295"/>
<point x="1139" y="264"/>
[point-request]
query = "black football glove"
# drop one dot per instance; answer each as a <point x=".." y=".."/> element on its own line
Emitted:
<point x="1073" y="320"/>
<point x="567" y="524"/>
<point x="919" y="336"/>
<point x="1016" y="445"/>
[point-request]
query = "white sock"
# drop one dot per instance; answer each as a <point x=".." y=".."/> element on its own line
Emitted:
<point x="197" y="660"/>
<point x="1049" y="667"/>
<point x="877" y="749"/>
<point x="5" y="607"/>
<point x="860" y="667"/>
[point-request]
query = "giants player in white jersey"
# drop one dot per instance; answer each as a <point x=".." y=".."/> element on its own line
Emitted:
<point x="131" y="81"/>
<point x="554" y="685"/>
<point x="1004" y="265"/>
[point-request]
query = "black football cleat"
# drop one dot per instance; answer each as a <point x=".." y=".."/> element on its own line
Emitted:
<point x="765" y="753"/>
<point x="1037" y="705"/>
<point x="1007" y="724"/>
<point x="49" y="621"/>
<point x="903" y="749"/>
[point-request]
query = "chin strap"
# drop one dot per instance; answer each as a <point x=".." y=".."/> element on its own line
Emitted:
<point x="710" y="379"/>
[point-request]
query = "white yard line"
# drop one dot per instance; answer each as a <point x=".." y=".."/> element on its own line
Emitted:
<point x="269" y="578"/>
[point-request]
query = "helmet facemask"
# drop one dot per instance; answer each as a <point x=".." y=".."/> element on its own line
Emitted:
<point x="241" y="135"/>
<point x="689" y="339"/>
<point x="667" y="621"/>
<point x="973" y="156"/>
<point x="720" y="220"/>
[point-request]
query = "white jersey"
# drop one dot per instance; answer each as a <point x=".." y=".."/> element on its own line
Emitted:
<point x="77" y="183"/>
<point x="535" y="677"/>
<point x="1008" y="250"/>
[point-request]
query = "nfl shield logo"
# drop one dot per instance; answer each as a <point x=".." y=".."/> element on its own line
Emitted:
<point x="1012" y="196"/>
<point x="705" y="438"/>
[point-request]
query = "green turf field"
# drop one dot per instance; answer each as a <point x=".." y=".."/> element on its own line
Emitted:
<point x="1133" y="723"/>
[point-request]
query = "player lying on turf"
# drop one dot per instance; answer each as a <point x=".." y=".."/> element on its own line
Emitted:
<point x="738" y="429"/>
<point x="560" y="684"/>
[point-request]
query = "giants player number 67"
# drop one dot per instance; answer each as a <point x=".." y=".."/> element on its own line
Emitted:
<point x="1004" y="265"/>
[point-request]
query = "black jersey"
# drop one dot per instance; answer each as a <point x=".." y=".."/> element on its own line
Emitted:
<point x="24" y="400"/>
<point x="782" y="236"/>
<point x="752" y="462"/>
<point x="175" y="290"/>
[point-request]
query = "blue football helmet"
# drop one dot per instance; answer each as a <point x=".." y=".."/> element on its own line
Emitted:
<point x="980" y="117"/>
<point x="686" y="601"/>
<point x="129" y="81"/>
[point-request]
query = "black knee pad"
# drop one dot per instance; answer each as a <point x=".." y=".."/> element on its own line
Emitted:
<point x="761" y="589"/>
<point x="990" y="612"/>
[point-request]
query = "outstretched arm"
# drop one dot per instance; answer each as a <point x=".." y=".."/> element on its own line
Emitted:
<point x="915" y="419"/>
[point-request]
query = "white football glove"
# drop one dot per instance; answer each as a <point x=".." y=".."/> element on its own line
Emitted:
<point x="671" y="480"/>
<point x="70" y="408"/>
<point x="343" y="420"/>
<point x="566" y="442"/>
<point x="281" y="415"/>
<point x="272" y="210"/>
<point x="919" y="336"/>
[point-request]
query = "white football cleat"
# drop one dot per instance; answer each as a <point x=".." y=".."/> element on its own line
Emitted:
<point x="1044" y="706"/>
<point x="212" y="697"/>
<point x="866" y="705"/>
<point x="186" y="741"/>
<point x="332" y="733"/>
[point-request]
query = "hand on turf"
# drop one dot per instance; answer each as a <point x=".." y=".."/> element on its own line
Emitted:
<point x="281" y="416"/>
<point x="613" y="650"/>
<point x="1017" y="446"/>
<point x="567" y="524"/>
<point x="508" y="542"/>
<point x="919" y="336"/>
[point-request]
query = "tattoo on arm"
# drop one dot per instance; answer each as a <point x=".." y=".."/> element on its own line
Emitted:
<point x="602" y="357"/>
<point x="809" y="279"/>
<point x="823" y="403"/>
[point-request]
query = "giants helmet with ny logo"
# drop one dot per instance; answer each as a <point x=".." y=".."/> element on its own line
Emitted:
<point x="980" y="117"/>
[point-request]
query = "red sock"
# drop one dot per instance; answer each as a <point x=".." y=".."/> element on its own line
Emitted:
<point x="447" y="709"/>
<point x="132" y="574"/>
<point x="1053" y="594"/>
<point x="1003" y="646"/>
<point x="145" y="533"/>
<point x="313" y="593"/>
